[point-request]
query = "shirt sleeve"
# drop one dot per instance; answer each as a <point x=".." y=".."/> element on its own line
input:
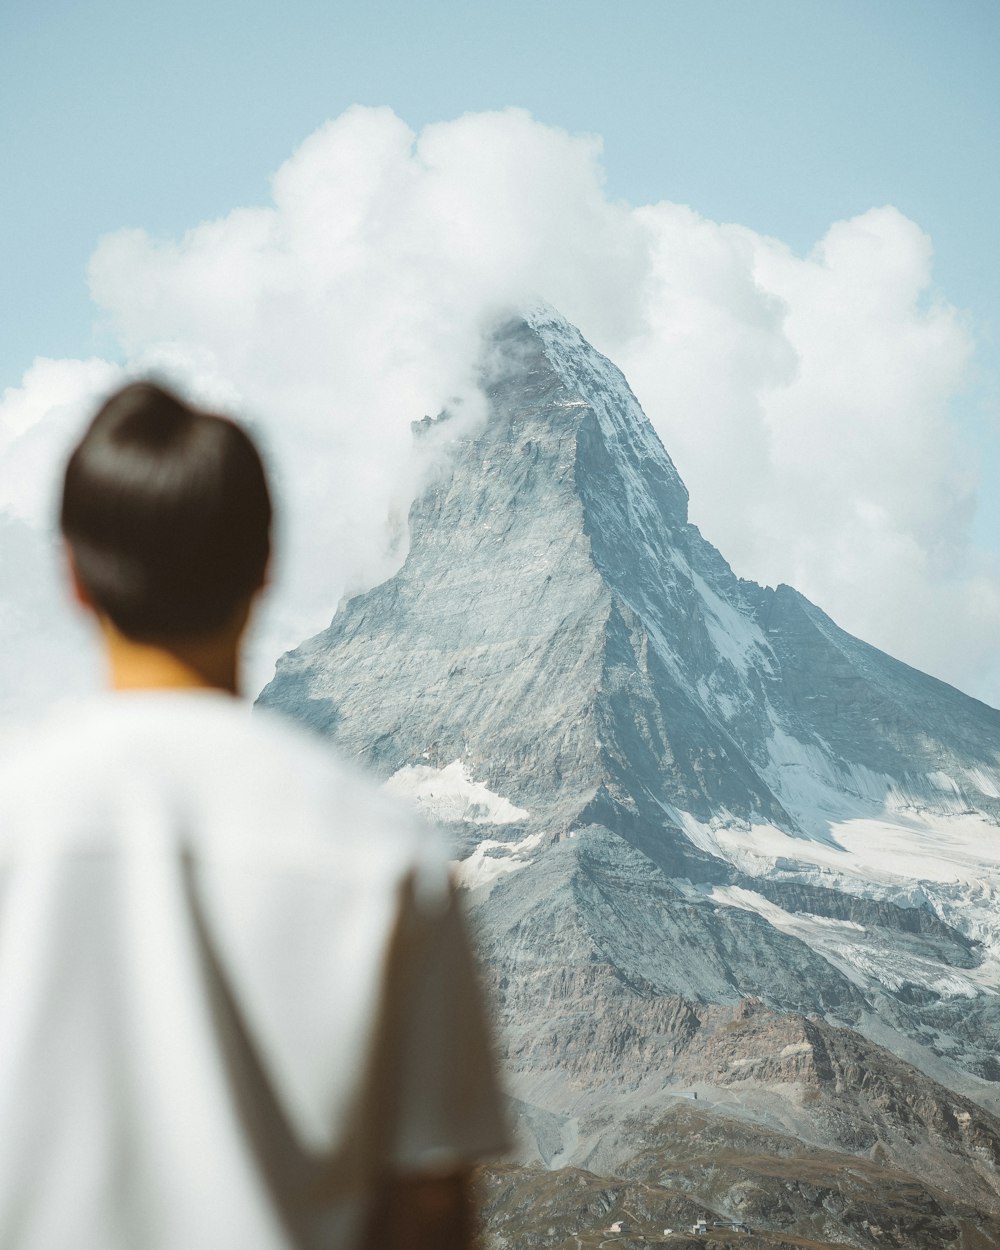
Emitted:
<point x="444" y="1107"/>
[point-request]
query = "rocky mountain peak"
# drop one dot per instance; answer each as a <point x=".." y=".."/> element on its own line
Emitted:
<point x="669" y="789"/>
<point x="562" y="628"/>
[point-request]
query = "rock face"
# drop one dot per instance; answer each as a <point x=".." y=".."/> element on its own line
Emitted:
<point x="671" y="791"/>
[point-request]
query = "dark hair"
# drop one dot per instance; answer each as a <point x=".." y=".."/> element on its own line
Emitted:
<point x="167" y="514"/>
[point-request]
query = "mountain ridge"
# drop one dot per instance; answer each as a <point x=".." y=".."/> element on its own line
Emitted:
<point x="665" y="784"/>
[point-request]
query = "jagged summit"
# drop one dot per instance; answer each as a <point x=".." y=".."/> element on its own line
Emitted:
<point x="664" y="783"/>
<point x="562" y="628"/>
<point x="562" y="634"/>
<point x="503" y="639"/>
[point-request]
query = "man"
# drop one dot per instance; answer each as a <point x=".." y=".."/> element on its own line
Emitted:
<point x="238" y="1009"/>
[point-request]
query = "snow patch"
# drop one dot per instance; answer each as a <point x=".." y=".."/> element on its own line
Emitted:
<point x="941" y="781"/>
<point x="735" y="637"/>
<point x="748" y="900"/>
<point x="865" y="958"/>
<point x="815" y="790"/>
<point x="982" y="781"/>
<point x="949" y="862"/>
<point x="492" y="860"/>
<point x="450" y="794"/>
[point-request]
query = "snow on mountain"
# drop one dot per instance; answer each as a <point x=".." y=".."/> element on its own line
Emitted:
<point x="449" y="793"/>
<point x="667" y="786"/>
<point x="926" y="836"/>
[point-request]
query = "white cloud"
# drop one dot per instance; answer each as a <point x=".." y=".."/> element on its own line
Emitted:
<point x="805" y="400"/>
<point x="806" y="403"/>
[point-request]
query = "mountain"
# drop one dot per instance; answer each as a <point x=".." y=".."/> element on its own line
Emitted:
<point x="674" y="793"/>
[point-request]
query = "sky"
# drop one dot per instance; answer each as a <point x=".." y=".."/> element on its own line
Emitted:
<point x="777" y="217"/>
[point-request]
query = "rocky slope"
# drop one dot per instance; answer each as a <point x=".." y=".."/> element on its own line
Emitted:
<point x="672" y="790"/>
<point x="787" y="1195"/>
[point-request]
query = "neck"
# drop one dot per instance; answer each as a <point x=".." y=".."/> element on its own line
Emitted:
<point x="208" y="664"/>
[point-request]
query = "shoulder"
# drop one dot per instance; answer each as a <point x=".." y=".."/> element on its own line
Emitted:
<point x="232" y="782"/>
<point x="329" y="802"/>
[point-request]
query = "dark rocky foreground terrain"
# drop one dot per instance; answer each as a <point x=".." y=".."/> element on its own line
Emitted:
<point x="792" y="1197"/>
<point x="734" y="874"/>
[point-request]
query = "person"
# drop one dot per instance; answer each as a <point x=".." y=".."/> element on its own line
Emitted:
<point x="238" y="1008"/>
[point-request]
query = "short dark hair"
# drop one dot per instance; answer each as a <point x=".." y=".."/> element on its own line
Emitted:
<point x="167" y="514"/>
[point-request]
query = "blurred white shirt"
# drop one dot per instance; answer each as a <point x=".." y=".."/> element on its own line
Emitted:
<point x="234" y="987"/>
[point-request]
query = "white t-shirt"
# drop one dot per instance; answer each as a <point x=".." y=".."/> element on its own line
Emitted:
<point x="234" y="987"/>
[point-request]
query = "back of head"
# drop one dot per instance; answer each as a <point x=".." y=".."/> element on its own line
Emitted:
<point x="167" y="515"/>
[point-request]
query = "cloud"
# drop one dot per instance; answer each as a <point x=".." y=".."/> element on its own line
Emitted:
<point x="804" y="399"/>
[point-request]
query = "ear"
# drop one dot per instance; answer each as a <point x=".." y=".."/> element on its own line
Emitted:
<point x="77" y="588"/>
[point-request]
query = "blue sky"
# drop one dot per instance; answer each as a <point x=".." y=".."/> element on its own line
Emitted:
<point x="782" y="116"/>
